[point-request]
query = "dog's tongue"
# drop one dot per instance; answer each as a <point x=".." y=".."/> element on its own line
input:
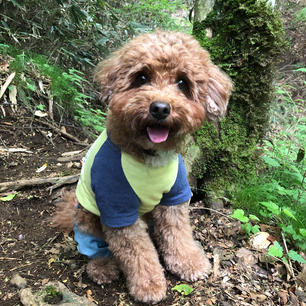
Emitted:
<point x="158" y="134"/>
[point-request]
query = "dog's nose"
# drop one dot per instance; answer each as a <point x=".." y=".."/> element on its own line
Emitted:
<point x="159" y="110"/>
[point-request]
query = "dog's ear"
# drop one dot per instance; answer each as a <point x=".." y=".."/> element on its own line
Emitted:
<point x="106" y="74"/>
<point x="218" y="93"/>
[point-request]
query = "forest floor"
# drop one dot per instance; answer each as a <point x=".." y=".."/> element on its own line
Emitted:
<point x="38" y="253"/>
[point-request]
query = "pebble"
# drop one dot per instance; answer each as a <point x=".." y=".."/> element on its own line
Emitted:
<point x="18" y="281"/>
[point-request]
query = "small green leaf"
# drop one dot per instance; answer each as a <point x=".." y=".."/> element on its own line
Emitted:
<point x="302" y="231"/>
<point x="10" y="197"/>
<point x="40" y="107"/>
<point x="288" y="212"/>
<point x="297" y="257"/>
<point x="271" y="161"/>
<point x="255" y="229"/>
<point x="301" y="69"/>
<point x="276" y="250"/>
<point x="272" y="207"/>
<point x="183" y="289"/>
<point x="239" y="215"/>
<point x="253" y="217"/>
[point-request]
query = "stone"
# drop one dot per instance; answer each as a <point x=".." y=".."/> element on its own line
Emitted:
<point x="18" y="281"/>
<point x="66" y="297"/>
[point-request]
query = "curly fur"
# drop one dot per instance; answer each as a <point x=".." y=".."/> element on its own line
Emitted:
<point x="160" y="66"/>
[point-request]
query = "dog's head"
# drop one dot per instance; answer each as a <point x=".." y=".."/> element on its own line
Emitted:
<point x="161" y="86"/>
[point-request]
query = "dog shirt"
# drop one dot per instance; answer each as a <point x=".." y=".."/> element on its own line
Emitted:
<point x="119" y="188"/>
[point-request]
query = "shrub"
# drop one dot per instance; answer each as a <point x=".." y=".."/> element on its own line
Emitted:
<point x="277" y="193"/>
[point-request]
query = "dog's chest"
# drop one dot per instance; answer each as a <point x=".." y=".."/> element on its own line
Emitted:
<point x="149" y="183"/>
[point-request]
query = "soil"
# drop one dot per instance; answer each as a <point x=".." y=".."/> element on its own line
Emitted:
<point x="39" y="253"/>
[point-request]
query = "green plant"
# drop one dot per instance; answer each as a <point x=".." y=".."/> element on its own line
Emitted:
<point x="301" y="15"/>
<point x="246" y="225"/>
<point x="183" y="289"/>
<point x="37" y="80"/>
<point x="275" y="250"/>
<point x="277" y="193"/>
<point x="78" y="33"/>
<point x="52" y="296"/>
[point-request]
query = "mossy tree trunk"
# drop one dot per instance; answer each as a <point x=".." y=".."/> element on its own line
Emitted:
<point x="202" y="8"/>
<point x="247" y="39"/>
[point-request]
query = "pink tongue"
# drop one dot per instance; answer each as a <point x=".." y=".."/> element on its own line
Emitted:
<point x="158" y="134"/>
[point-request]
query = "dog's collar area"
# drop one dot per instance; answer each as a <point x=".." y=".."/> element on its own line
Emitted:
<point x="150" y="152"/>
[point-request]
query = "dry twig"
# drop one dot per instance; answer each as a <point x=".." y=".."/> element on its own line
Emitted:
<point x="57" y="181"/>
<point x="65" y="134"/>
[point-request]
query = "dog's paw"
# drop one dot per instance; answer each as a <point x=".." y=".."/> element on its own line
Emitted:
<point x="149" y="290"/>
<point x="190" y="265"/>
<point x="103" y="270"/>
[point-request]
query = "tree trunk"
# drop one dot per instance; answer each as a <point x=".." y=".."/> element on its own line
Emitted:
<point x="247" y="39"/>
<point x="202" y="8"/>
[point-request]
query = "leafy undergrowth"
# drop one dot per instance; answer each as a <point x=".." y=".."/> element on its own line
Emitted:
<point x="46" y="90"/>
<point x="276" y="194"/>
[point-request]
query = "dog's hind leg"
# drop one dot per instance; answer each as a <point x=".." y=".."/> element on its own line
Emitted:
<point x="138" y="259"/>
<point x="173" y="233"/>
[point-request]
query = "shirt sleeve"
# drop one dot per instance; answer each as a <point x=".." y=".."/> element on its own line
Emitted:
<point x="180" y="192"/>
<point x="117" y="202"/>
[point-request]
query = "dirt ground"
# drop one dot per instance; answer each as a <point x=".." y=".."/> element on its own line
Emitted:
<point x="39" y="253"/>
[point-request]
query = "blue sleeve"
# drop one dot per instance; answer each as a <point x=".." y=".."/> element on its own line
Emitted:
<point x="180" y="191"/>
<point x="117" y="202"/>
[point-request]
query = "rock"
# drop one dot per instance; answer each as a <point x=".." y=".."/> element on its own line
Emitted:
<point x="27" y="298"/>
<point x="246" y="257"/>
<point x="55" y="291"/>
<point x="18" y="281"/>
<point x="214" y="202"/>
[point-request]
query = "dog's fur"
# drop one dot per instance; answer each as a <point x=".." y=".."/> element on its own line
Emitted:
<point x="179" y="72"/>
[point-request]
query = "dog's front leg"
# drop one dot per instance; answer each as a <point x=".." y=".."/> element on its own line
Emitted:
<point x="138" y="259"/>
<point x="173" y="233"/>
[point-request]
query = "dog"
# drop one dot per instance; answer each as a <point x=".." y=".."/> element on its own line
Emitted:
<point x="160" y="87"/>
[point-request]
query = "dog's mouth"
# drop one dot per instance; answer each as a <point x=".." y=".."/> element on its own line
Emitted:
<point x="158" y="134"/>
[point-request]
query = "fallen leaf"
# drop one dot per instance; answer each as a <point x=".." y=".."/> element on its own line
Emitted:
<point x="40" y="114"/>
<point x="9" y="197"/>
<point x="89" y="296"/>
<point x="283" y="294"/>
<point x="63" y="129"/>
<point x="260" y="240"/>
<point x="183" y="289"/>
<point x="42" y="168"/>
<point x="51" y="261"/>
<point x="45" y="281"/>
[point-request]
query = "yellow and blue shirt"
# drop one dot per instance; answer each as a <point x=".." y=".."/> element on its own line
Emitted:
<point x="119" y="188"/>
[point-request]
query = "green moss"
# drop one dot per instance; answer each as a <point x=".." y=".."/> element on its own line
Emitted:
<point x="247" y="40"/>
<point x="52" y="296"/>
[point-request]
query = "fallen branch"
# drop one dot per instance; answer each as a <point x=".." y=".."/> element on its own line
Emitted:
<point x="15" y="150"/>
<point x="57" y="181"/>
<point x="65" y="134"/>
<point x="71" y="158"/>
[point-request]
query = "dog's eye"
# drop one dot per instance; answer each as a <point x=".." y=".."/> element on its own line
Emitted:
<point x="140" y="79"/>
<point x="184" y="86"/>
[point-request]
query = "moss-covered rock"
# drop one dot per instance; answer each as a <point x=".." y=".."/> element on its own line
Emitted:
<point x="246" y="43"/>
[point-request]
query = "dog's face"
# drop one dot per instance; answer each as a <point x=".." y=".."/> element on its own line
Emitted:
<point x="159" y="87"/>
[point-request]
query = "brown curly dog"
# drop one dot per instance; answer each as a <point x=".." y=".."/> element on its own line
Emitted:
<point x="160" y="87"/>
